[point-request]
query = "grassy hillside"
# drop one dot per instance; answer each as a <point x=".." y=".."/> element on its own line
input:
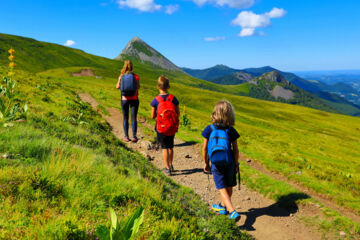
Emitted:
<point x="35" y="56"/>
<point x="61" y="170"/>
<point x="315" y="148"/>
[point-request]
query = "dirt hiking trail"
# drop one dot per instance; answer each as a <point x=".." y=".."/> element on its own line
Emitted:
<point x="260" y="216"/>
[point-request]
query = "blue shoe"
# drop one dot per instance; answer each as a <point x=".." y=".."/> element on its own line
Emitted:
<point x="234" y="215"/>
<point x="223" y="212"/>
<point x="218" y="207"/>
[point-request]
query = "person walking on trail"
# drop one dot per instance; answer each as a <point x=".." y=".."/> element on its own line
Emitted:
<point x="165" y="108"/>
<point x="220" y="146"/>
<point x="129" y="84"/>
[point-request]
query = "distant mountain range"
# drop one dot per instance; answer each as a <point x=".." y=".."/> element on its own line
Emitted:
<point x="334" y="94"/>
<point x="264" y="83"/>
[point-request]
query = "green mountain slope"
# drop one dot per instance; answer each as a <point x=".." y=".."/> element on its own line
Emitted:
<point x="35" y="56"/>
<point x="211" y="73"/>
<point x="312" y="94"/>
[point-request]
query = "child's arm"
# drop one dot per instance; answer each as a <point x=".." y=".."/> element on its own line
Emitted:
<point x="153" y="113"/>
<point x="205" y="155"/>
<point x="236" y="153"/>
<point x="119" y="82"/>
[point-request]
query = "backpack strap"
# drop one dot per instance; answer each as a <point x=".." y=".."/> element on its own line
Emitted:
<point x="170" y="98"/>
<point x="159" y="99"/>
<point x="212" y="127"/>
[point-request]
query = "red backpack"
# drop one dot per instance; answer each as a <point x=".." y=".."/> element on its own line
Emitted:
<point x="167" y="120"/>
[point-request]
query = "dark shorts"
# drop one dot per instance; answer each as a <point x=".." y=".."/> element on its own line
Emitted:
<point x="165" y="141"/>
<point x="224" y="176"/>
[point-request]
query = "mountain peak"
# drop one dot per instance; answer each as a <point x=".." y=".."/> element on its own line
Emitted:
<point x="139" y="49"/>
<point x="136" y="39"/>
<point x="275" y="76"/>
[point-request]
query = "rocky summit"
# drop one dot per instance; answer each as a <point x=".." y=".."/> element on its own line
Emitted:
<point x="139" y="49"/>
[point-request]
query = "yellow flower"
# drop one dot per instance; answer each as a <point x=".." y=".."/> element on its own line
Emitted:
<point x="12" y="64"/>
<point x="10" y="74"/>
<point x="11" y="51"/>
<point x="184" y="110"/>
<point x="11" y="57"/>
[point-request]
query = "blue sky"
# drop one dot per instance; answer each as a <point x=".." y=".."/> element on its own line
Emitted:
<point x="286" y="34"/>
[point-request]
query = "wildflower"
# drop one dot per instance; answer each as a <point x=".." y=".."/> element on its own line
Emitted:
<point x="11" y="57"/>
<point x="10" y="74"/>
<point x="12" y="64"/>
<point x="11" y="51"/>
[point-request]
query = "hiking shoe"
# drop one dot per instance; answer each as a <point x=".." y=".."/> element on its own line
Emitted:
<point x="134" y="139"/>
<point x="126" y="139"/>
<point x="234" y="215"/>
<point x="223" y="212"/>
<point x="172" y="168"/>
<point x="218" y="207"/>
<point x="166" y="171"/>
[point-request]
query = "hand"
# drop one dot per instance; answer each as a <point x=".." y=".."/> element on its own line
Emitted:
<point x="207" y="168"/>
<point x="117" y="86"/>
<point x="237" y="167"/>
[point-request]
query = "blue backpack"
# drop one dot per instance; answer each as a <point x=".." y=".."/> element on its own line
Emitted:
<point x="219" y="147"/>
<point x="128" y="85"/>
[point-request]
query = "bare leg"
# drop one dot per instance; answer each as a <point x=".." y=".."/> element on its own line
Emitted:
<point x="171" y="156"/>
<point x="165" y="153"/>
<point x="226" y="199"/>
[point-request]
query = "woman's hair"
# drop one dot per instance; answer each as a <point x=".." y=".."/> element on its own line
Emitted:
<point x="127" y="68"/>
<point x="163" y="83"/>
<point x="223" y="113"/>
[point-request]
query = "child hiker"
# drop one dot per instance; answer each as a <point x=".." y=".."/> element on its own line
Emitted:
<point x="220" y="146"/>
<point x="165" y="108"/>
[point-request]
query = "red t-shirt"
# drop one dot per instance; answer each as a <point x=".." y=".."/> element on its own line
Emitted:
<point x="135" y="97"/>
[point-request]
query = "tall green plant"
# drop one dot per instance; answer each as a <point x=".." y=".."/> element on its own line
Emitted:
<point x="124" y="230"/>
<point x="9" y="109"/>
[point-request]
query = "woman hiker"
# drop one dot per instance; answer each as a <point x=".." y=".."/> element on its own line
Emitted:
<point x="129" y="84"/>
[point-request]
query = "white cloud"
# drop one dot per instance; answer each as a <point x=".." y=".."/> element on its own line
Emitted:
<point x="141" y="5"/>
<point x="276" y="13"/>
<point x="69" y="43"/>
<point x="249" y="21"/>
<point x="213" y="39"/>
<point x="231" y="3"/>
<point x="247" y="32"/>
<point x="170" y="9"/>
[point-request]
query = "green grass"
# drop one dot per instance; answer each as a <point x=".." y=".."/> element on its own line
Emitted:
<point x="285" y="138"/>
<point x="61" y="176"/>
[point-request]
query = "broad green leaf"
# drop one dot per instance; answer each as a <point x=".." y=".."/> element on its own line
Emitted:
<point x="127" y="228"/>
<point x="137" y="224"/>
<point x="25" y="108"/>
<point x="114" y="220"/>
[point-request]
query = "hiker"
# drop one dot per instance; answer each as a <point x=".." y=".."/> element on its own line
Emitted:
<point x="129" y="84"/>
<point x="220" y="146"/>
<point x="165" y="108"/>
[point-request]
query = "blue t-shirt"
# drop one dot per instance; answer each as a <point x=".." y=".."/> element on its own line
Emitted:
<point x="233" y="134"/>
<point x="154" y="103"/>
